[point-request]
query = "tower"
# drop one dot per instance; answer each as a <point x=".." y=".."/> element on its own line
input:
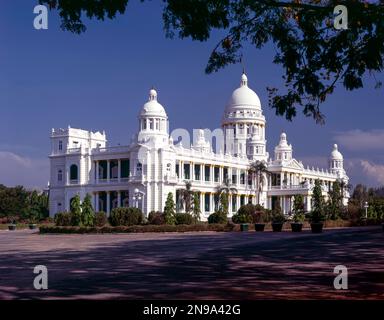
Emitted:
<point x="153" y="121"/>
<point x="283" y="151"/>
<point x="244" y="124"/>
<point x="336" y="164"/>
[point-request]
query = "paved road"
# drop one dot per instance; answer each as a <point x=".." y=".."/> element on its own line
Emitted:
<point x="194" y="265"/>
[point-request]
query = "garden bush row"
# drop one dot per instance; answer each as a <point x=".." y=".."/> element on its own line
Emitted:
<point x="139" y="228"/>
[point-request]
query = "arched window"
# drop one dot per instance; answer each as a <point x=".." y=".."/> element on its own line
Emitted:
<point x="73" y="172"/>
<point x="60" y="175"/>
<point x="60" y="145"/>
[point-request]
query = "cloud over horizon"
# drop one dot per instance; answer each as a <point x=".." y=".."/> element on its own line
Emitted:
<point x="16" y="169"/>
<point x="358" y="140"/>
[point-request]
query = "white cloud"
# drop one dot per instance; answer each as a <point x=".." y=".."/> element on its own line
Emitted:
<point x="357" y="140"/>
<point x="19" y="170"/>
<point x="374" y="171"/>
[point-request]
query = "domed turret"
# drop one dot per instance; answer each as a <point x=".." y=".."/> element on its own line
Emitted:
<point x="336" y="161"/>
<point x="283" y="151"/>
<point x="153" y="108"/>
<point x="244" y="123"/>
<point x="153" y="120"/>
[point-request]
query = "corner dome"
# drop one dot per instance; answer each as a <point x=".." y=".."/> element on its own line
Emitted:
<point x="336" y="155"/>
<point x="244" y="96"/>
<point x="153" y="108"/>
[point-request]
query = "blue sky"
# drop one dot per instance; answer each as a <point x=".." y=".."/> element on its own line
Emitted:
<point x="100" y="79"/>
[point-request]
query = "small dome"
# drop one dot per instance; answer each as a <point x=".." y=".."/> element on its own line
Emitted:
<point x="153" y="108"/>
<point x="336" y="155"/>
<point x="244" y="96"/>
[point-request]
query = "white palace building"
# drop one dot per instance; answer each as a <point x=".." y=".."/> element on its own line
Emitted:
<point x="143" y="173"/>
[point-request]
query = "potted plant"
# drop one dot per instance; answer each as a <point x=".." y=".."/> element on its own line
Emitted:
<point x="298" y="213"/>
<point x="260" y="218"/>
<point x="244" y="216"/>
<point x="32" y="219"/>
<point x="317" y="215"/>
<point x="12" y="224"/>
<point x="278" y="218"/>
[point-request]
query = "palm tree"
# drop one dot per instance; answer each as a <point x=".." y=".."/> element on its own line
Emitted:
<point x="223" y="191"/>
<point x="186" y="196"/>
<point x="257" y="169"/>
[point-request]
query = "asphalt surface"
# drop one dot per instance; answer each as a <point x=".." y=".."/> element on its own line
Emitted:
<point x="205" y="265"/>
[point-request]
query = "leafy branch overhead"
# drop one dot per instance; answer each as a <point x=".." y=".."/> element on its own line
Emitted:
<point x="315" y="57"/>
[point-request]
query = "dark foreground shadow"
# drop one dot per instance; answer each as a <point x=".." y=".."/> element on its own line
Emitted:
<point x="224" y="266"/>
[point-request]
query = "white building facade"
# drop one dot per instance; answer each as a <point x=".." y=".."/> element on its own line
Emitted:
<point x="143" y="173"/>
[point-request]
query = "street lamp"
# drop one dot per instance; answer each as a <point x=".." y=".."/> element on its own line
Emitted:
<point x="366" y="209"/>
<point x="137" y="197"/>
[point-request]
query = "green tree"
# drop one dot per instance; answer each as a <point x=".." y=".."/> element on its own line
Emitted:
<point x="196" y="206"/>
<point x="169" y="210"/>
<point x="257" y="170"/>
<point x="314" y="55"/>
<point x="186" y="196"/>
<point x="87" y="212"/>
<point x="317" y="214"/>
<point x="76" y="211"/>
<point x="223" y="191"/>
<point x="298" y="208"/>
<point x="335" y="201"/>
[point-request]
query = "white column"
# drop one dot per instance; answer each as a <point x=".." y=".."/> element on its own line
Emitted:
<point x="202" y="174"/>
<point x="202" y="203"/>
<point x="212" y="173"/>
<point x="281" y="179"/>
<point x="108" y="203"/>
<point x="119" y="199"/>
<point x="221" y="174"/>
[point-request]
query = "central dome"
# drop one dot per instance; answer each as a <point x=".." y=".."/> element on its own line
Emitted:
<point x="244" y="97"/>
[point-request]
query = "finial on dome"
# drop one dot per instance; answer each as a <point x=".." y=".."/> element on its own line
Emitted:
<point x="244" y="80"/>
<point x="335" y="146"/>
<point x="152" y="94"/>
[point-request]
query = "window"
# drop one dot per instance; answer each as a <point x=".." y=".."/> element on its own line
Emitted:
<point x="60" y="175"/>
<point x="73" y="173"/>
<point x="234" y="203"/>
<point x="217" y="174"/>
<point x="139" y="168"/>
<point x="207" y="173"/>
<point x="60" y="145"/>
<point x="168" y="167"/>
<point x="207" y="199"/>
<point x="197" y="172"/>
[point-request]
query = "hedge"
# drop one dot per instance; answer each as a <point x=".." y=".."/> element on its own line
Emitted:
<point x="139" y="228"/>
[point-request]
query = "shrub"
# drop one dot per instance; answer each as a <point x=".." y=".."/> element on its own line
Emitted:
<point x="245" y="213"/>
<point x="156" y="217"/>
<point x="169" y="210"/>
<point x="63" y="219"/>
<point x="87" y="212"/>
<point x="139" y="229"/>
<point x="277" y="214"/>
<point x="76" y="211"/>
<point x="125" y="217"/>
<point x="184" y="218"/>
<point x="218" y="217"/>
<point x="100" y="219"/>
<point x="263" y="216"/>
